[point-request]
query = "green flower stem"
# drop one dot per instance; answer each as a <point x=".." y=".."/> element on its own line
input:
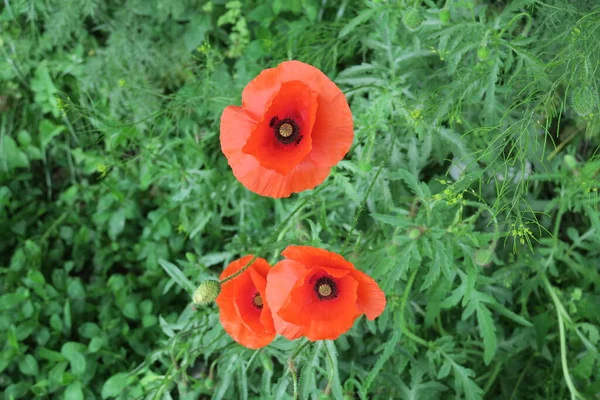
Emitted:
<point x="360" y="208"/>
<point x="292" y="367"/>
<point x="403" y="326"/>
<point x="560" y="313"/>
<point x="275" y="235"/>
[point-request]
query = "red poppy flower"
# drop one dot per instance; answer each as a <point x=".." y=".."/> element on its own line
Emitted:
<point x="293" y="126"/>
<point x="242" y="309"/>
<point x="318" y="294"/>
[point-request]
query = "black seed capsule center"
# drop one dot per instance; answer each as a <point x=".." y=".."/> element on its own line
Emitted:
<point x="286" y="130"/>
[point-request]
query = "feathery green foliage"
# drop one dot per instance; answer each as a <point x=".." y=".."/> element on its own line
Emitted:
<point x="470" y="194"/>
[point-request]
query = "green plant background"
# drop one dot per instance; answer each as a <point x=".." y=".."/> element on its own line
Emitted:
<point x="470" y="194"/>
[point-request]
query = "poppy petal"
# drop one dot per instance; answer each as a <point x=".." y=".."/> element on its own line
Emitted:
<point x="322" y="319"/>
<point x="281" y="279"/>
<point x="333" y="131"/>
<point x="267" y="182"/>
<point x="260" y="91"/>
<point x="371" y="299"/>
<point x="296" y="102"/>
<point x="236" y="126"/>
<point x="313" y="256"/>
<point x="248" y="325"/>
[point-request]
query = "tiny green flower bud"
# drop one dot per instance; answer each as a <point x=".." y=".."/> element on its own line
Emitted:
<point x="483" y="53"/>
<point x="206" y="292"/>
<point x="365" y="166"/>
<point x="483" y="257"/>
<point x="414" y="233"/>
<point x="584" y="101"/>
<point x="570" y="161"/>
<point x="445" y="16"/>
<point x="412" y="18"/>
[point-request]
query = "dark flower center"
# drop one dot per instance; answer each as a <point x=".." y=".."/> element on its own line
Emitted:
<point x="257" y="301"/>
<point x="326" y="289"/>
<point x="286" y="130"/>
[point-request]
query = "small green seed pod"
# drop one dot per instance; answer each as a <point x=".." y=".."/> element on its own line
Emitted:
<point x="206" y="292"/>
<point x="483" y="53"/>
<point x="445" y="16"/>
<point x="570" y="161"/>
<point x="412" y="18"/>
<point x="483" y="257"/>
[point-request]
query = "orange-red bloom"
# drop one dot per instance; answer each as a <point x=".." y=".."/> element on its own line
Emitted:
<point x="319" y="294"/>
<point x="293" y="126"/>
<point x="243" y="311"/>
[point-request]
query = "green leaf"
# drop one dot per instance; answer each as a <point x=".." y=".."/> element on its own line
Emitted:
<point x="178" y="276"/>
<point x="114" y="385"/>
<point x="50" y="355"/>
<point x="71" y="351"/>
<point x="413" y="183"/>
<point x="11" y="156"/>
<point x="11" y="300"/>
<point x="307" y="373"/>
<point x="487" y="331"/>
<point x="388" y="350"/>
<point x="48" y="131"/>
<point x="74" y="392"/>
<point x="509" y="314"/>
<point x="334" y="377"/>
<point x="361" y="18"/>
<point x="28" y="365"/>
<point x="116" y="224"/>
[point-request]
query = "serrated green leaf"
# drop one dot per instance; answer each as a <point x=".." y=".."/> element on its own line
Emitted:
<point x="487" y="331"/>
<point x="177" y="276"/>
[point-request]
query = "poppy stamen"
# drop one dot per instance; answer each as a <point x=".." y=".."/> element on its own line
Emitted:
<point x="286" y="130"/>
<point x="257" y="301"/>
<point x="326" y="289"/>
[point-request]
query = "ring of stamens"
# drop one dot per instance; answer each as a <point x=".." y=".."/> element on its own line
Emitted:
<point x="326" y="288"/>
<point x="286" y="130"/>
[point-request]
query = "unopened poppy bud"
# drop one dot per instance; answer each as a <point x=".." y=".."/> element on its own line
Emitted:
<point x="445" y="16"/>
<point x="412" y="18"/>
<point x="415" y="233"/>
<point x="584" y="101"/>
<point x="483" y="257"/>
<point x="483" y="53"/>
<point x="206" y="292"/>
<point x="570" y="161"/>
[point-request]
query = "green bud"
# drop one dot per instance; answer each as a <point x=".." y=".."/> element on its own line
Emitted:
<point x="24" y="138"/>
<point x="412" y="18"/>
<point x="483" y="53"/>
<point x="445" y="16"/>
<point x="206" y="292"/>
<point x="414" y="233"/>
<point x="483" y="257"/>
<point x="570" y="161"/>
<point x="365" y="166"/>
<point x="584" y="101"/>
<point x="209" y="383"/>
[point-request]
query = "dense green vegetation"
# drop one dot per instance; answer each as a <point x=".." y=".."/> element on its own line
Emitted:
<point x="470" y="194"/>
